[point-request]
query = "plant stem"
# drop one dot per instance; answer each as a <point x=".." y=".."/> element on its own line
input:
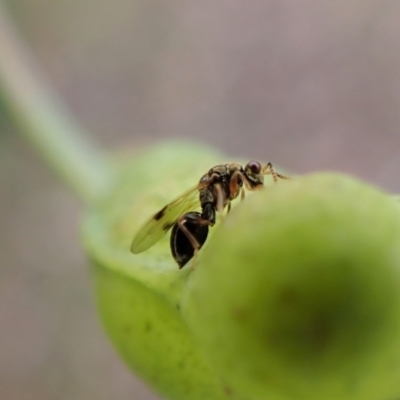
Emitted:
<point x="43" y="119"/>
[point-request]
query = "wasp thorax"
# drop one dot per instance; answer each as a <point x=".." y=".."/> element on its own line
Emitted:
<point x="215" y="191"/>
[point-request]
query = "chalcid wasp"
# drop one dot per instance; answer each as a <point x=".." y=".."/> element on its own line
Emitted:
<point x="214" y="192"/>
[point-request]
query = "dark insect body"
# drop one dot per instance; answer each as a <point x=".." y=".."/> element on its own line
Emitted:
<point x="182" y="248"/>
<point x="214" y="192"/>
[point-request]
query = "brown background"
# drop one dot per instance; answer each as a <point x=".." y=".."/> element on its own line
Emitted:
<point x="307" y="85"/>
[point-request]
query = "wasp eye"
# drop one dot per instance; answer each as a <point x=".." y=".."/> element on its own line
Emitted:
<point x="254" y="166"/>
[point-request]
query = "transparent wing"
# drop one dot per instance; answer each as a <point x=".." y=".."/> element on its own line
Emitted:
<point x="162" y="221"/>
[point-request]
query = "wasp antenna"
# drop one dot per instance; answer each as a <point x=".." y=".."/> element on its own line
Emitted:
<point x="270" y="170"/>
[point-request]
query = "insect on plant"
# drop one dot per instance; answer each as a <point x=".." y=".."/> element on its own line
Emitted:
<point x="214" y="192"/>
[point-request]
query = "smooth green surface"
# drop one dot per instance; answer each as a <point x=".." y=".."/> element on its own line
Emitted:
<point x="294" y="296"/>
<point x="297" y="296"/>
<point x="139" y="296"/>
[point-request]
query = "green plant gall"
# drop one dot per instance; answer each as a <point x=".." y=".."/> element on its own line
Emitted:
<point x="297" y="294"/>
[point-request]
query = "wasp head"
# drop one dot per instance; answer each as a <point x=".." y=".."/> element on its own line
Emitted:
<point x="253" y="173"/>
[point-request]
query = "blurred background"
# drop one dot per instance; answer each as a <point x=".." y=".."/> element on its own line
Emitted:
<point x="306" y="85"/>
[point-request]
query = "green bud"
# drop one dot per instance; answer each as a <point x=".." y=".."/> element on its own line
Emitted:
<point x="297" y="294"/>
<point x="138" y="296"/>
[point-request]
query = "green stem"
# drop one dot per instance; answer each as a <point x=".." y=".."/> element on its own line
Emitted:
<point x="43" y="119"/>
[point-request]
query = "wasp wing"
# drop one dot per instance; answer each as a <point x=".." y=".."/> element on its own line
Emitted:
<point x="162" y="221"/>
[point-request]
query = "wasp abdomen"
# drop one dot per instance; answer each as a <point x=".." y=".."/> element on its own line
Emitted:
<point x="181" y="247"/>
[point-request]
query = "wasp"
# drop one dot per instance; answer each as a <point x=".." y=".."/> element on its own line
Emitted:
<point x="212" y="194"/>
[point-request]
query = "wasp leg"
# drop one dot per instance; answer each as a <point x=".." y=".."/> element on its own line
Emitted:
<point x="229" y="208"/>
<point x="221" y="201"/>
<point x="220" y="198"/>
<point x="234" y="185"/>
<point x="194" y="259"/>
<point x="193" y="241"/>
<point x="196" y="238"/>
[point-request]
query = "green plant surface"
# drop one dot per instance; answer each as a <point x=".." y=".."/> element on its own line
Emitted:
<point x="139" y="296"/>
<point x="295" y="294"/>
